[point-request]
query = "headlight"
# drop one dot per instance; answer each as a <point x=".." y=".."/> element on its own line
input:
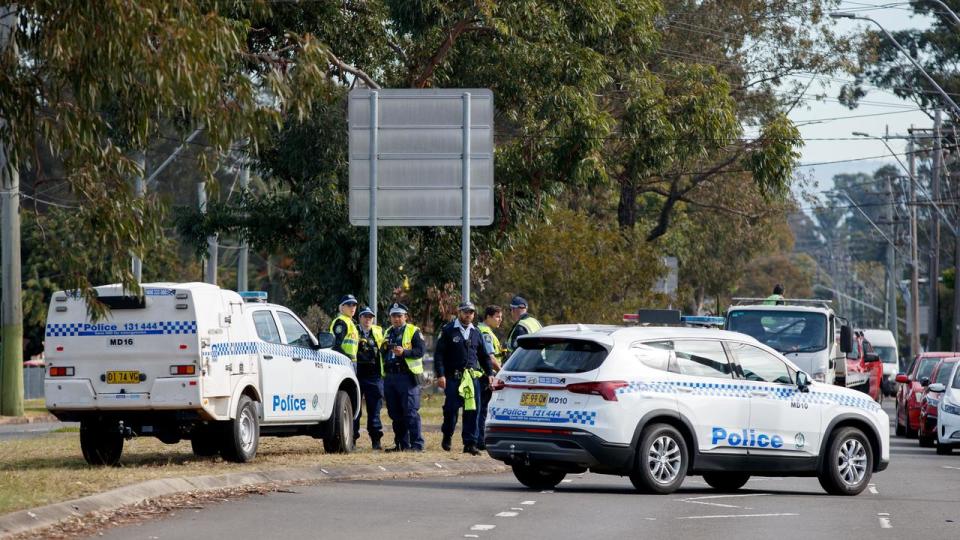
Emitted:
<point x="820" y="376"/>
<point x="950" y="408"/>
<point x="918" y="396"/>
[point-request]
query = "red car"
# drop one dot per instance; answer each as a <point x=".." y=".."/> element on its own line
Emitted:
<point x="927" y="434"/>
<point x="865" y="370"/>
<point x="910" y="390"/>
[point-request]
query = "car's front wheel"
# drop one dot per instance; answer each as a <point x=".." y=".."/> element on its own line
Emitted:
<point x="537" y="478"/>
<point x="847" y="466"/>
<point x="944" y="449"/>
<point x="339" y="437"/>
<point x="662" y="460"/>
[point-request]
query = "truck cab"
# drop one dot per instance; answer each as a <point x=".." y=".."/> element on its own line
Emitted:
<point x="807" y="332"/>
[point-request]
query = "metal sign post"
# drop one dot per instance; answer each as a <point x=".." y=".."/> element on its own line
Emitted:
<point x="465" y="243"/>
<point x="374" y="144"/>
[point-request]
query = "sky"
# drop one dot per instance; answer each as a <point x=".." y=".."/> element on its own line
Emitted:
<point x="824" y="139"/>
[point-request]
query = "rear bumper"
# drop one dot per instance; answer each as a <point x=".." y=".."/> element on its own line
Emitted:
<point x="562" y="448"/>
<point x="166" y="393"/>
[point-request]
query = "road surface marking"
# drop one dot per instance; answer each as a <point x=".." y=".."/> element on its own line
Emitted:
<point x="518" y="509"/>
<point x="873" y="489"/>
<point x="700" y="500"/>
<point x="737" y="516"/>
<point x="547" y="491"/>
<point x="481" y="527"/>
<point x="382" y="468"/>
<point x="566" y="481"/>
<point x="529" y="502"/>
<point x="884" y="520"/>
<point x="508" y="514"/>
<point x="471" y="536"/>
<point x="324" y="471"/>
<point x="439" y="466"/>
<point x="949" y="467"/>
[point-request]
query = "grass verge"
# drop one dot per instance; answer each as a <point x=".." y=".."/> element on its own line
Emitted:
<point x="49" y="468"/>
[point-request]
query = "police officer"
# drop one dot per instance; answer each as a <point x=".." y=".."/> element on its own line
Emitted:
<point x="460" y="361"/>
<point x="370" y="375"/>
<point x="344" y="330"/>
<point x="402" y="350"/>
<point x="525" y="323"/>
<point x="492" y="319"/>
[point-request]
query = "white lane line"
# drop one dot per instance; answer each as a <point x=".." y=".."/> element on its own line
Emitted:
<point x="701" y="500"/>
<point x="547" y="491"/>
<point x="471" y="536"/>
<point x="709" y="503"/>
<point x="482" y="527"/>
<point x="508" y="514"/>
<point x="949" y="467"/>
<point x="873" y="489"/>
<point x="518" y="509"/>
<point x="738" y="516"/>
<point x="566" y="481"/>
<point x="884" y="521"/>
<point x="528" y="503"/>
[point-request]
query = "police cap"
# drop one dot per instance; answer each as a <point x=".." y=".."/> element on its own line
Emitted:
<point x="398" y="309"/>
<point x="348" y="299"/>
<point x="367" y="311"/>
<point x="467" y="306"/>
<point x="518" y="302"/>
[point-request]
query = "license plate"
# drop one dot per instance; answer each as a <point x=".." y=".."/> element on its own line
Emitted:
<point x="123" y="377"/>
<point x="532" y="399"/>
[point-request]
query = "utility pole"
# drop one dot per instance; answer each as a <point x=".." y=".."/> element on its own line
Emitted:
<point x="891" y="265"/>
<point x="11" y="304"/>
<point x="934" y="272"/>
<point x="244" y="248"/>
<point x="914" y="258"/>
<point x="210" y="271"/>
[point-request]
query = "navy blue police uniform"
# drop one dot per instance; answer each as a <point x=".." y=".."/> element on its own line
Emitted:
<point x="369" y="368"/>
<point x="458" y="356"/>
<point x="402" y="386"/>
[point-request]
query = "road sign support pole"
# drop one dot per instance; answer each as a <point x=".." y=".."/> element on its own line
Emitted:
<point x="374" y="151"/>
<point x="243" y="257"/>
<point x="465" y="244"/>
<point x="139" y="191"/>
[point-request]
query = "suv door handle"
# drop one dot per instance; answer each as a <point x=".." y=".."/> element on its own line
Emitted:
<point x="759" y="393"/>
<point x="267" y="357"/>
<point x="296" y="359"/>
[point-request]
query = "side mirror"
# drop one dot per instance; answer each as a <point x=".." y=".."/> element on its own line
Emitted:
<point x="326" y="340"/>
<point x="924" y="382"/>
<point x="846" y="339"/>
<point x="803" y="381"/>
<point x="937" y="387"/>
<point x="871" y="357"/>
<point x="902" y="378"/>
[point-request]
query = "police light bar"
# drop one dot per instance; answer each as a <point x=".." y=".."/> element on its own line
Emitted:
<point x="254" y="296"/>
<point x="702" y="320"/>
<point x="670" y="317"/>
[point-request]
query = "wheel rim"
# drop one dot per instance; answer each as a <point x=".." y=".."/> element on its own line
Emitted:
<point x="664" y="459"/>
<point x="346" y="426"/>
<point x="246" y="431"/>
<point x="852" y="462"/>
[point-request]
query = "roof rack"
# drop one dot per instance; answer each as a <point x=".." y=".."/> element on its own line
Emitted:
<point x="670" y="317"/>
<point x="740" y="301"/>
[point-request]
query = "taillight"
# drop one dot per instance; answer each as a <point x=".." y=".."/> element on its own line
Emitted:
<point x="497" y="384"/>
<point x="606" y="389"/>
<point x="183" y="370"/>
<point x="60" y="372"/>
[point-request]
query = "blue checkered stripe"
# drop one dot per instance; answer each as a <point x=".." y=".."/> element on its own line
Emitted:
<point x="149" y="328"/>
<point x="178" y="327"/>
<point x="736" y="390"/>
<point x="240" y="348"/>
<point x="62" y="329"/>
<point x="587" y="418"/>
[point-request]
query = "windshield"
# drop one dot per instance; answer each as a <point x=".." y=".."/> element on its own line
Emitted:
<point x="785" y="331"/>
<point x="926" y="368"/>
<point x="552" y="355"/>
<point x="956" y="380"/>
<point x="887" y="354"/>
<point x="943" y="376"/>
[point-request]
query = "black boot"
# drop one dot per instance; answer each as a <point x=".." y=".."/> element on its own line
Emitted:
<point x="447" y="442"/>
<point x="394" y="448"/>
<point x="376" y="444"/>
<point x="471" y="449"/>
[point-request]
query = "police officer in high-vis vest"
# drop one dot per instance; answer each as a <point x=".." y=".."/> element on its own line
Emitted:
<point x="525" y="323"/>
<point x="492" y="319"/>
<point x="345" y="334"/>
<point x="370" y="376"/>
<point x="402" y="350"/>
<point x="461" y="361"/>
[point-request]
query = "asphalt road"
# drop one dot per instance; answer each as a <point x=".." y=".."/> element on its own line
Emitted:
<point x="26" y="431"/>
<point x="917" y="496"/>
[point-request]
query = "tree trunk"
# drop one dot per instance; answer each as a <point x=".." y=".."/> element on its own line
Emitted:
<point x="627" y="209"/>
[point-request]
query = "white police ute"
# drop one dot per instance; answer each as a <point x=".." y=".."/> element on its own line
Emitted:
<point x="193" y="361"/>
<point x="660" y="403"/>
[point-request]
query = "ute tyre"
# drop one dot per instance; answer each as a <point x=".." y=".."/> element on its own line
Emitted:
<point x="536" y="478"/>
<point x="339" y="437"/>
<point x="847" y="466"/>
<point x="662" y="460"/>
<point x="726" y="482"/>
<point x="242" y="434"/>
<point x="100" y="446"/>
<point x="205" y="441"/>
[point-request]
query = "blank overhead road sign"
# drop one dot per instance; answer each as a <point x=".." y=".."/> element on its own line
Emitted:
<point x="419" y="136"/>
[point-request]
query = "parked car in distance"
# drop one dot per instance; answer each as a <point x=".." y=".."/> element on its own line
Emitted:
<point x="910" y="390"/>
<point x="948" y="415"/>
<point x="885" y="345"/>
<point x="864" y="369"/>
<point x="932" y="393"/>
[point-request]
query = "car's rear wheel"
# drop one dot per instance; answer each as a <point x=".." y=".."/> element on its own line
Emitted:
<point x="537" y="478"/>
<point x="99" y="444"/>
<point x="900" y="430"/>
<point x="726" y="481"/>
<point x="847" y="466"/>
<point x="242" y="436"/>
<point x="662" y="460"/>
<point x="944" y="449"/>
<point x="339" y="438"/>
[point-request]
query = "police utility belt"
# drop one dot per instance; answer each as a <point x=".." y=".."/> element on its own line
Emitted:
<point x="458" y="373"/>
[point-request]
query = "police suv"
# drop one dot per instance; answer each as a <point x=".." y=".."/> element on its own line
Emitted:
<point x="193" y="361"/>
<point x="660" y="403"/>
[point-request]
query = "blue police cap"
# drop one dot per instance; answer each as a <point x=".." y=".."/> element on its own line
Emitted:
<point x="518" y="302"/>
<point x="467" y="306"/>
<point x="348" y="299"/>
<point x="398" y="309"/>
<point x="367" y="311"/>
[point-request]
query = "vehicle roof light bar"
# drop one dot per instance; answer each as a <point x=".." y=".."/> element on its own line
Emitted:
<point x="670" y="317"/>
<point x="253" y="296"/>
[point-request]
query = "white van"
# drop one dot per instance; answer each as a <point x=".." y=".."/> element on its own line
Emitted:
<point x="885" y="343"/>
<point x="194" y="361"/>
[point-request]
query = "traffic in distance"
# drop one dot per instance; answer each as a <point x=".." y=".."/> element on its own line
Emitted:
<point x="785" y="388"/>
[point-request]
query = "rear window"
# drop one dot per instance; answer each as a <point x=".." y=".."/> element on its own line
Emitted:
<point x="552" y="355"/>
<point x="943" y="376"/>
<point x="926" y="368"/>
